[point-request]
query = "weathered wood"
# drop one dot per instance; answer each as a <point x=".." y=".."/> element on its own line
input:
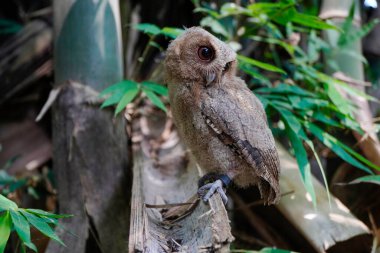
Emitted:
<point x="324" y="226"/>
<point x="196" y="227"/>
<point x="90" y="164"/>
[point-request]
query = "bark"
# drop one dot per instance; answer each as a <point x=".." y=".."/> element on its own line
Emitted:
<point x="90" y="165"/>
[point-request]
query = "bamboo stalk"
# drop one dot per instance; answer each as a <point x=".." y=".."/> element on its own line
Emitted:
<point x="324" y="226"/>
<point x="353" y="68"/>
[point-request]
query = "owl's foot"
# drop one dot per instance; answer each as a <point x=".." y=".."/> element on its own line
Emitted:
<point x="206" y="190"/>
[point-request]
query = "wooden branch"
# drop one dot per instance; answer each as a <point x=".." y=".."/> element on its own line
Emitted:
<point x="158" y="225"/>
<point x="324" y="226"/>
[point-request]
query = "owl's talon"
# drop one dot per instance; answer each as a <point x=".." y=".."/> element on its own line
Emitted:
<point x="206" y="191"/>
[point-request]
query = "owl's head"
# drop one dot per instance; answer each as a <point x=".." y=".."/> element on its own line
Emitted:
<point x="197" y="56"/>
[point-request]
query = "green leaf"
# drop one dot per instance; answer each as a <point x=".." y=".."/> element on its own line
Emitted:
<point x="172" y="32"/>
<point x="160" y="89"/>
<point x="374" y="179"/>
<point x="156" y="45"/>
<point x="347" y="24"/>
<point x="259" y="64"/>
<point x="113" y="99"/>
<point x="120" y="86"/>
<point x="155" y="100"/>
<point x="5" y="178"/>
<point x="47" y="214"/>
<point x="41" y="225"/>
<point x="286" y="89"/>
<point x="254" y="73"/>
<point x="5" y="230"/>
<point x="126" y="99"/>
<point x="215" y="26"/>
<point x="22" y="228"/>
<point x="311" y="145"/>
<point x="343" y="104"/>
<point x="358" y="34"/>
<point x="147" y="28"/>
<point x="312" y="21"/>
<point x="335" y="145"/>
<point x="210" y="12"/>
<point x="288" y="47"/>
<point x="325" y="119"/>
<point x="302" y="161"/>
<point x="6" y="204"/>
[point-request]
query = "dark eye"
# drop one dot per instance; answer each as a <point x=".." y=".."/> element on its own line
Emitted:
<point x="205" y="53"/>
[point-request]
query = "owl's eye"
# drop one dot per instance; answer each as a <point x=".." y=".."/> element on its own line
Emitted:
<point x="205" y="53"/>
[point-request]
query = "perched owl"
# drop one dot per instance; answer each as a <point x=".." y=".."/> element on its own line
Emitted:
<point x="219" y="118"/>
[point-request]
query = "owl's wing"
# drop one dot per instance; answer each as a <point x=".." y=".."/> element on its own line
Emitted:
<point x="238" y="119"/>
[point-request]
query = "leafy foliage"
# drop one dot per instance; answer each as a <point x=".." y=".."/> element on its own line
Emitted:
<point x="126" y="91"/>
<point x="264" y="250"/>
<point x="9" y="26"/>
<point x="13" y="218"/>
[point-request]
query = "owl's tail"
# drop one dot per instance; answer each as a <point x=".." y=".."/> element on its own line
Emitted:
<point x="269" y="178"/>
<point x="270" y="194"/>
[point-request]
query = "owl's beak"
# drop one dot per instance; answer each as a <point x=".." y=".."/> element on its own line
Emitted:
<point x="210" y="77"/>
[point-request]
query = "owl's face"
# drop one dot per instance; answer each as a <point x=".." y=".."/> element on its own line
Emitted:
<point x="199" y="57"/>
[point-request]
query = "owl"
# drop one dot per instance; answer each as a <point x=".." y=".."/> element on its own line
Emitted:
<point x="219" y="119"/>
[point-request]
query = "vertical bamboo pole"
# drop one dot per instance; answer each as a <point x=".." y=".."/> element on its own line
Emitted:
<point x="337" y="11"/>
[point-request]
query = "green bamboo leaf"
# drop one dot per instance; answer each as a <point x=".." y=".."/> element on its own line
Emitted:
<point x="155" y="100"/>
<point x="113" y="99"/>
<point x="347" y="24"/>
<point x="215" y="26"/>
<point x="210" y="12"/>
<point x="156" y="45"/>
<point x="5" y="230"/>
<point x="311" y="145"/>
<point x="312" y="22"/>
<point x="343" y="104"/>
<point x="302" y="161"/>
<point x="47" y="214"/>
<point x="6" y="204"/>
<point x="41" y="225"/>
<point x="259" y="64"/>
<point x="317" y="115"/>
<point x="374" y="179"/>
<point x="147" y="28"/>
<point x="286" y="89"/>
<point x="126" y="99"/>
<point x="120" y="86"/>
<point x="335" y="145"/>
<point x="229" y="9"/>
<point x="159" y="89"/>
<point x="288" y="47"/>
<point x="172" y="32"/>
<point x="22" y="228"/>
<point x="254" y="73"/>
<point x="357" y="33"/>
<point x="274" y="250"/>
